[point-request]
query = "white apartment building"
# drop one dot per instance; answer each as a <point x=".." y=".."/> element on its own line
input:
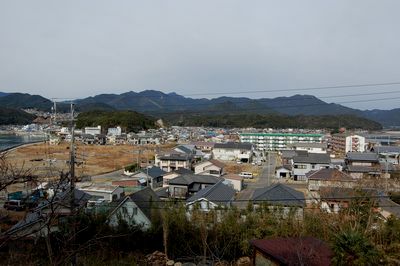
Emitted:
<point x="93" y="130"/>
<point x="278" y="141"/>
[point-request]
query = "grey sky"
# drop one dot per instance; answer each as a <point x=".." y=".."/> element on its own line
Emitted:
<point x="75" y="49"/>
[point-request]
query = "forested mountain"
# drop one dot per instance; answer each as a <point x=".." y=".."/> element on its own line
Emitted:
<point x="10" y="116"/>
<point x="172" y="105"/>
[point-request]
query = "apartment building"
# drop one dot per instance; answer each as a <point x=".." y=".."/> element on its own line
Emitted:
<point x="343" y="143"/>
<point x="278" y="141"/>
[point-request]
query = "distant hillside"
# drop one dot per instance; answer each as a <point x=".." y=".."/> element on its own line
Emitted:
<point x="9" y="116"/>
<point x="127" y="120"/>
<point x="277" y="121"/>
<point x="3" y="94"/>
<point x="172" y="105"/>
<point x="24" y="100"/>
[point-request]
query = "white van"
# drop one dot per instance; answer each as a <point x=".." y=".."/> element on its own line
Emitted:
<point x="246" y="175"/>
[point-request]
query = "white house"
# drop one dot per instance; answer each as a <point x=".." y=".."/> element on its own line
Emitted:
<point x="114" y="131"/>
<point x="107" y="192"/>
<point x="309" y="147"/>
<point x="309" y="162"/>
<point x="211" y="197"/>
<point x="232" y="151"/>
<point x="93" y="130"/>
<point x="135" y="209"/>
<point x="234" y="180"/>
<point x="210" y="167"/>
<point x="283" y="172"/>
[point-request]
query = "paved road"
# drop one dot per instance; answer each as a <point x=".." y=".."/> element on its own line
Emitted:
<point x="265" y="179"/>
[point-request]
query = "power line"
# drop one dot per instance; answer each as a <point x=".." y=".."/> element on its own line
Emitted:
<point x="304" y="89"/>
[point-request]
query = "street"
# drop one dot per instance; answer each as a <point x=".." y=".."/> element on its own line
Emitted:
<point x="265" y="179"/>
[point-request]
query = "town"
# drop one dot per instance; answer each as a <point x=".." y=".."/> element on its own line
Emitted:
<point x="202" y="170"/>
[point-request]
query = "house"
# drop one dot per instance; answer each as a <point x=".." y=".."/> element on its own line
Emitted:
<point x="93" y="130"/>
<point x="173" y="161"/>
<point x="309" y="147"/>
<point x="210" y="167"/>
<point x="151" y="175"/>
<point x="108" y="192"/>
<point x="219" y="195"/>
<point x="232" y="151"/>
<point x="114" y="131"/>
<point x="360" y="164"/>
<point x="279" y="195"/>
<point x="309" y="162"/>
<point x="284" y="171"/>
<point x="291" y="251"/>
<point x="234" y="180"/>
<point x="36" y="222"/>
<point x="136" y="209"/>
<point x="389" y="154"/>
<point x="88" y="139"/>
<point x="204" y="146"/>
<point x="333" y="199"/>
<point x="171" y="175"/>
<point x="185" y="186"/>
<point x="330" y="177"/>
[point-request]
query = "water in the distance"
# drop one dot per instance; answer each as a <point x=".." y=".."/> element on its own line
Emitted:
<point x="9" y="141"/>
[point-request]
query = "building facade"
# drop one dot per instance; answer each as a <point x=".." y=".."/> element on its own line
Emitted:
<point x="344" y="143"/>
<point x="278" y="141"/>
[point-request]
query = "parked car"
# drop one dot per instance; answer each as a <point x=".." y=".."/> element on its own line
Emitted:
<point x="14" y="205"/>
<point x="246" y="174"/>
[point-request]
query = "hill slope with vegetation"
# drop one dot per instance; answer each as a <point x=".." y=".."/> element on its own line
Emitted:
<point x="10" y="116"/>
<point x="127" y="120"/>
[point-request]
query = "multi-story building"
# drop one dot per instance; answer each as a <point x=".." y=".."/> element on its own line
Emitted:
<point x="278" y="141"/>
<point x="93" y="130"/>
<point x="233" y="151"/>
<point x="343" y="143"/>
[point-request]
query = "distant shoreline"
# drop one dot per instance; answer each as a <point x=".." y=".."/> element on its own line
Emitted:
<point x="17" y="146"/>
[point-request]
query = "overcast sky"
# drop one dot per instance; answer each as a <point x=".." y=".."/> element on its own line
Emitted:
<point x="75" y="49"/>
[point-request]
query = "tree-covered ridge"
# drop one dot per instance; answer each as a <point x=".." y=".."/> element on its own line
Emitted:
<point x="127" y="120"/>
<point x="277" y="121"/>
<point x="9" y="116"/>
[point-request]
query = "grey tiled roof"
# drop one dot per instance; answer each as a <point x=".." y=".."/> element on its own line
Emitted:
<point x="146" y="199"/>
<point x="313" y="158"/>
<point x="219" y="193"/>
<point x="154" y="172"/>
<point x="386" y="149"/>
<point x="233" y="145"/>
<point x="362" y="156"/>
<point x="190" y="179"/>
<point x="279" y="194"/>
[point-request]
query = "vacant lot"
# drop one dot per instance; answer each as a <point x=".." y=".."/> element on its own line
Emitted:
<point x="48" y="160"/>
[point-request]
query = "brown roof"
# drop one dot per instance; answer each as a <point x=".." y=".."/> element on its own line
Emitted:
<point x="328" y="174"/>
<point x="217" y="163"/>
<point x="295" y="251"/>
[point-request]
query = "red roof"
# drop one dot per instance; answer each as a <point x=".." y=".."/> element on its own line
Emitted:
<point x="295" y="251"/>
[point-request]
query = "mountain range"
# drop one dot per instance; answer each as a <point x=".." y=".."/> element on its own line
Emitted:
<point x="162" y="105"/>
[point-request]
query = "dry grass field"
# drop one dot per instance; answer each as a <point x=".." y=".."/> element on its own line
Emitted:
<point x="48" y="160"/>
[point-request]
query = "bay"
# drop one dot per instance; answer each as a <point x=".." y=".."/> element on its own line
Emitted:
<point x="9" y="141"/>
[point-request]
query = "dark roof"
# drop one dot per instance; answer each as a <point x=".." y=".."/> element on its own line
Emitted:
<point x="288" y="154"/>
<point x="346" y="194"/>
<point x="390" y="206"/>
<point x="145" y="199"/>
<point x="328" y="174"/>
<point x="295" y="251"/>
<point x="280" y="194"/>
<point x="234" y="145"/>
<point x="184" y="171"/>
<point x="361" y="169"/>
<point x="386" y="149"/>
<point x="219" y="193"/>
<point x="162" y="192"/>
<point x="175" y="156"/>
<point x="362" y="156"/>
<point x="190" y="179"/>
<point x="154" y="171"/>
<point x="313" y="158"/>
<point x="184" y="149"/>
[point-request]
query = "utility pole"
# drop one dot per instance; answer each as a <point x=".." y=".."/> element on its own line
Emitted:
<point x="72" y="183"/>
